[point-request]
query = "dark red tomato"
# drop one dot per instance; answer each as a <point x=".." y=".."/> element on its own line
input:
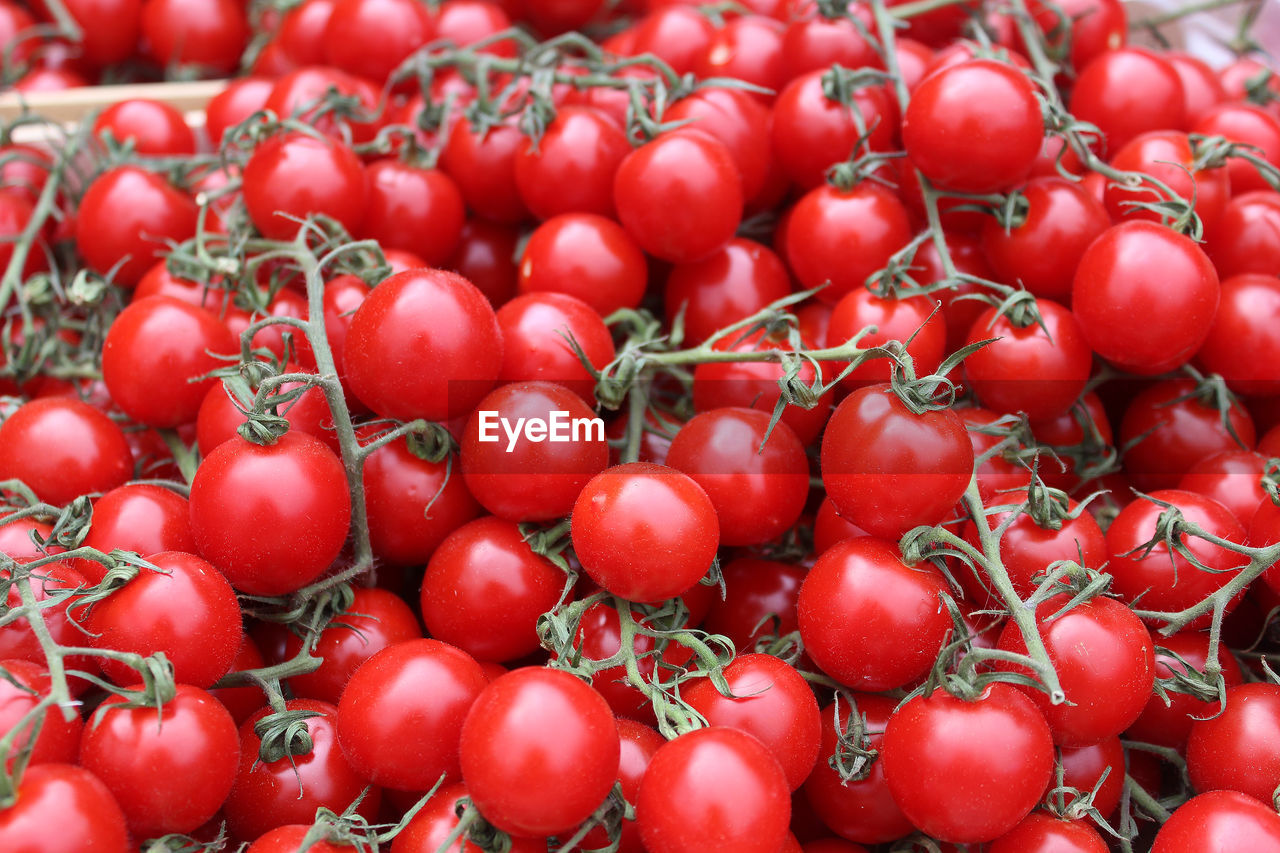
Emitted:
<point x="1126" y="92"/>
<point x="484" y="590"/>
<point x="137" y="517"/>
<point x="830" y="845"/>
<point x="888" y="470"/>
<point x="219" y="419"/>
<point x="170" y="768"/>
<point x="770" y="701"/>
<point x="571" y="168"/>
<point x="1165" y="581"/>
<point x="18" y="640"/>
<point x="1027" y="550"/>
<point x="1083" y="766"/>
<point x="242" y="701"/>
<point x="814" y="42"/>
<point x="297" y="94"/>
<point x="1167" y="430"/>
<point x="23" y="684"/>
<point x="680" y="196"/>
<point x="155" y="127"/>
<point x="272" y="518"/>
<point x="1038" y="369"/>
<point x="271" y="61"/>
<point x="758" y="487"/>
<point x="401" y="714"/>
<point x="1141" y="269"/>
<point x="1201" y="89"/>
<point x="645" y="532"/>
<point x="242" y="98"/>
<point x="731" y="284"/>
<point x="599" y="637"/>
<point x="676" y="34"/>
<point x="843" y="237"/>
<point x="293" y="175"/>
<point x="422" y="317"/>
<point x="484" y="169"/>
<point x="811" y="132"/>
<point x="1166" y="156"/>
<point x="412" y="503"/>
<point x="371" y="38"/>
<point x="536" y="332"/>
<point x="974" y="127"/>
<point x="1248" y="125"/>
<point x="419" y="210"/>
<point x="270" y="794"/>
<point x="209" y="35"/>
<point x="376" y="620"/>
<point x="1105" y="663"/>
<point x="1239" y="748"/>
<point x="914" y="318"/>
<point x="1239" y="347"/>
<point x="829" y="527"/>
<point x="86" y="816"/>
<point x="871" y="642"/>
<point x="1042" y="252"/>
<point x="1218" y="822"/>
<point x="187" y="610"/>
<point x="535" y="721"/>
<point x="1233" y="478"/>
<point x="1248" y="238"/>
<point x="428" y="830"/>
<point x="746" y="48"/>
<point x="1170" y="725"/>
<point x="63" y="448"/>
<point x="529" y="448"/>
<point x="125" y="219"/>
<point x="760" y="599"/>
<point x="557" y="16"/>
<point x="587" y="256"/>
<point x="737" y="119"/>
<point x="713" y="790"/>
<point x="1069" y="430"/>
<point x="1040" y="832"/>
<point x="863" y="810"/>
<point x="639" y="743"/>
<point x="946" y="778"/>
<point x="486" y="256"/>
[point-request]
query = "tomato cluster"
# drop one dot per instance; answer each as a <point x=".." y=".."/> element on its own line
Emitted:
<point x="797" y="426"/>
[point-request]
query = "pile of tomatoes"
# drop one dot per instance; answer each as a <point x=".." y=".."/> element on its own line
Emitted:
<point x="549" y="425"/>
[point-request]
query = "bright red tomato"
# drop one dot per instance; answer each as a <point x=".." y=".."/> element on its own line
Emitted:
<point x="125" y="218"/>
<point x="22" y="685"/>
<point x="737" y="119"/>
<point x="1126" y="92"/>
<point x="63" y="448"/>
<point x="1170" y="725"/>
<point x="242" y="98"/>
<point x="733" y="283"/>
<point x="1094" y="26"/>
<point x="1249" y="125"/>
<point x="87" y="817"/>
<point x="1219" y="822"/>
<point x="293" y="175"/>
<point x="210" y="35"/>
<point x="536" y="333"/>
<point x="371" y="37"/>
<point x="483" y="166"/>
<point x="137" y="517"/>
<point x="571" y="168"/>
<point x="428" y="829"/>
<point x="1040" y="832"/>
<point x="1166" y="156"/>
<point x="587" y="256"/>
<point x="1233" y="478"/>
<point x="913" y="318"/>
<point x="1239" y="346"/>
<point x="155" y="127"/>
<point x="1248" y="238"/>
<point x="1083" y="766"/>
<point x="1238" y="749"/>
<point x="760" y="598"/>
<point x="418" y="210"/>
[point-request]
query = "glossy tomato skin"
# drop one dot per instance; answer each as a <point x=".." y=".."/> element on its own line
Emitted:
<point x="680" y="196"/>
<point x="1105" y="662"/>
<point x="413" y="504"/>
<point x="1248" y="239"/>
<point x="428" y="829"/>
<point x="713" y="790"/>
<point x="484" y="169"/>
<point x="974" y="127"/>
<point x="1083" y="766"/>
<point x="293" y="175"/>
<point x="125" y="217"/>
<point x="888" y="470"/>
<point x="1095" y="26"/>
<point x="1039" y="832"/>
<point x="1166" y="156"/>
<point x="741" y="122"/>
<point x="1141" y="269"/>
<point x="169" y="768"/>
<point x="86" y="816"/>
<point x="371" y="37"/>
<point x="273" y="517"/>
<point x="760" y="599"/>
<point x="587" y="256"/>
<point x="1126" y="92"/>
<point x="1239" y="749"/>
<point x="1220" y="822"/>
<point x="945" y="778"/>
<point x="536" y="329"/>
<point x="155" y="127"/>
<point x="571" y="168"/>
<point x="210" y="35"/>
<point x="241" y="99"/>
<point x="1250" y="125"/>
<point x="187" y="610"/>
<point x="138" y="517"/>
<point x="24" y="683"/>
<point x="1170" y="725"/>
<point x="418" y="210"/>
<point x="729" y="285"/>
<point x="1239" y="347"/>
<point x="422" y="317"/>
<point x="242" y="702"/>
<point x="533" y="721"/>
<point x="910" y="318"/>
<point x="401" y="714"/>
<point x="846" y="632"/>
<point x="288" y="838"/>
<point x="219" y="419"/>
<point x="63" y="448"/>
<point x="18" y="640"/>
<point x="270" y="794"/>
<point x="644" y="532"/>
<point x="484" y="590"/>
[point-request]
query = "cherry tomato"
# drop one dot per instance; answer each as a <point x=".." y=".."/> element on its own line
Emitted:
<point x="1248" y="236"/>
<point x="733" y="283"/>
<point x="1040" y="832"/>
<point x="1238" y="749"/>
<point x="914" y="320"/>
<point x="108" y="28"/>
<point x="1248" y="125"/>
<point x="571" y="168"/>
<point x="740" y="121"/>
<point x="25" y="683"/>
<point x="675" y="34"/>
<point x="1083" y="766"/>
<point x="86" y="816"/>
<point x="301" y="33"/>
<point x="418" y="210"/>
<point x="760" y="599"/>
<point x="483" y="166"/>
<point x="1126" y="92"/>
<point x="536" y="332"/>
<point x="371" y="37"/>
<point x="1090" y="27"/>
<point x="1218" y="822"/>
<point x="1238" y="347"/>
<point x="63" y="448"/>
<point x="154" y="127"/>
<point x="209" y="35"/>
<point x="292" y="175"/>
<point x="125" y="218"/>
<point x="18" y="640"/>
<point x="1166" y="156"/>
<point x="1170" y="725"/>
<point x="1233" y="478"/>
<point x="242" y="98"/>
<point x="139" y="517"/>
<point x="427" y="830"/>
<point x="747" y="48"/>
<point x="814" y="42"/>
<point x="587" y="256"/>
<point x="242" y="702"/>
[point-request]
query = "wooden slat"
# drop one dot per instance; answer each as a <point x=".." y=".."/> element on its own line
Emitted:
<point x="72" y="105"/>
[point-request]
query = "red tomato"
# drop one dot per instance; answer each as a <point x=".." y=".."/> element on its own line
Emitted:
<point x="63" y="448"/>
<point x="242" y="98"/>
<point x="484" y="169"/>
<point x="428" y="829"/>
<point x="974" y="127"/>
<point x="1219" y="822"/>
<point x="814" y="42"/>
<point x="288" y="838"/>
<point x="25" y="683"/>
<point x="137" y="517"/>
<point x="740" y="121"/>
<point x="713" y="790"/>
<point x="1239" y="346"/>
<point x="587" y="256"/>
<point x="484" y="590"/>
<point x="1126" y="92"/>
<point x="87" y="817"/>
<point x="1233" y="478"/>
<point x="301" y="33"/>
<point x="1083" y="766"/>
<point x="571" y="168"/>
<point x="1166" y="156"/>
<point x="293" y="175"/>
<point x="644" y="532"/>
<point x="760" y="598"/>
<point x="747" y="48"/>
<point x="945" y="778"/>
<point x="371" y="37"/>
<point x="1248" y="237"/>
<point x="676" y="34"/>
<point x="1170" y="725"/>
<point x="1201" y="89"/>
<point x="1248" y="125"/>
<point x="418" y="210"/>
<point x="733" y="283"/>
<point x="125" y="218"/>
<point x="209" y="35"/>
<point x="298" y="93"/>
<point x="242" y="702"/>
<point x="1040" y="831"/>
<point x="273" y="517"/>
<point x="465" y="22"/>
<point x="914" y="318"/>
<point x="155" y="127"/>
<point x="1095" y="26"/>
<point x="1238" y="749"/>
<point x="536" y="332"/>
<point x="533" y="721"/>
<point x="108" y="30"/>
<point x="219" y="419"/>
<point x="422" y="317"/>
<point x="18" y="640"/>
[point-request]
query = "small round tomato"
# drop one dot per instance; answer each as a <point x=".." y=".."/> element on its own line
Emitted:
<point x="713" y="789"/>
<point x="1126" y="92"/>
<point x="675" y="34"/>
<point x="913" y="320"/>
<point x="1233" y="478"/>
<point x="679" y="196"/>
<point x="418" y="210"/>
<point x="1240" y="347"/>
<point x="1239" y="748"/>
<point x="272" y="517"/>
<point x="298" y="93"/>
<point x="219" y="419"/>
<point x="1041" y="831"/>
<point x="537" y="331"/>
<point x="22" y="685"/>
<point x="483" y="166"/>
<point x="814" y="42"/>
<point x="645" y="532"/>
<point x="86" y="816"/>
<point x="371" y="37"/>
<point x="125" y="218"/>
<point x="1248" y="236"/>
<point x="484" y="590"/>
<point x="428" y="830"/>
<point x="587" y="256"/>
<point x="293" y="175"/>
<point x="301" y="32"/>
<point x="209" y="34"/>
<point x="974" y="127"/>
<point x="154" y="127"/>
<point x="242" y="98"/>
<point x="760" y="598"/>
<point x="1248" y="125"/>
<point x="1083" y="767"/>
<point x="242" y="702"/>
<point x="18" y="640"/>
<point x="571" y="168"/>
<point x="946" y="778"/>
<point x="416" y="318"/>
<point x="170" y="767"/>
<point x="1089" y="27"/>
<point x="1170" y="725"/>
<point x="63" y="448"/>
<point x="1141" y="269"/>
<point x="1166" y="156"/>
<point x="733" y="283"/>
<point x="737" y="119"/>
<point x="139" y="517"/>
<point x="186" y="610"/>
<point x="1219" y="820"/>
<point x="887" y="469"/>
<point x="534" y="721"/>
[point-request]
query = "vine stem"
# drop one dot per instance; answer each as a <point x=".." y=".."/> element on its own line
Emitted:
<point x="1182" y="12"/>
<point x="45" y="204"/>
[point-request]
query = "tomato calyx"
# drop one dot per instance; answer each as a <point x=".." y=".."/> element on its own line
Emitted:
<point x="854" y="756"/>
<point x="1211" y="392"/>
<point x="284" y="734"/>
<point x="1214" y="152"/>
